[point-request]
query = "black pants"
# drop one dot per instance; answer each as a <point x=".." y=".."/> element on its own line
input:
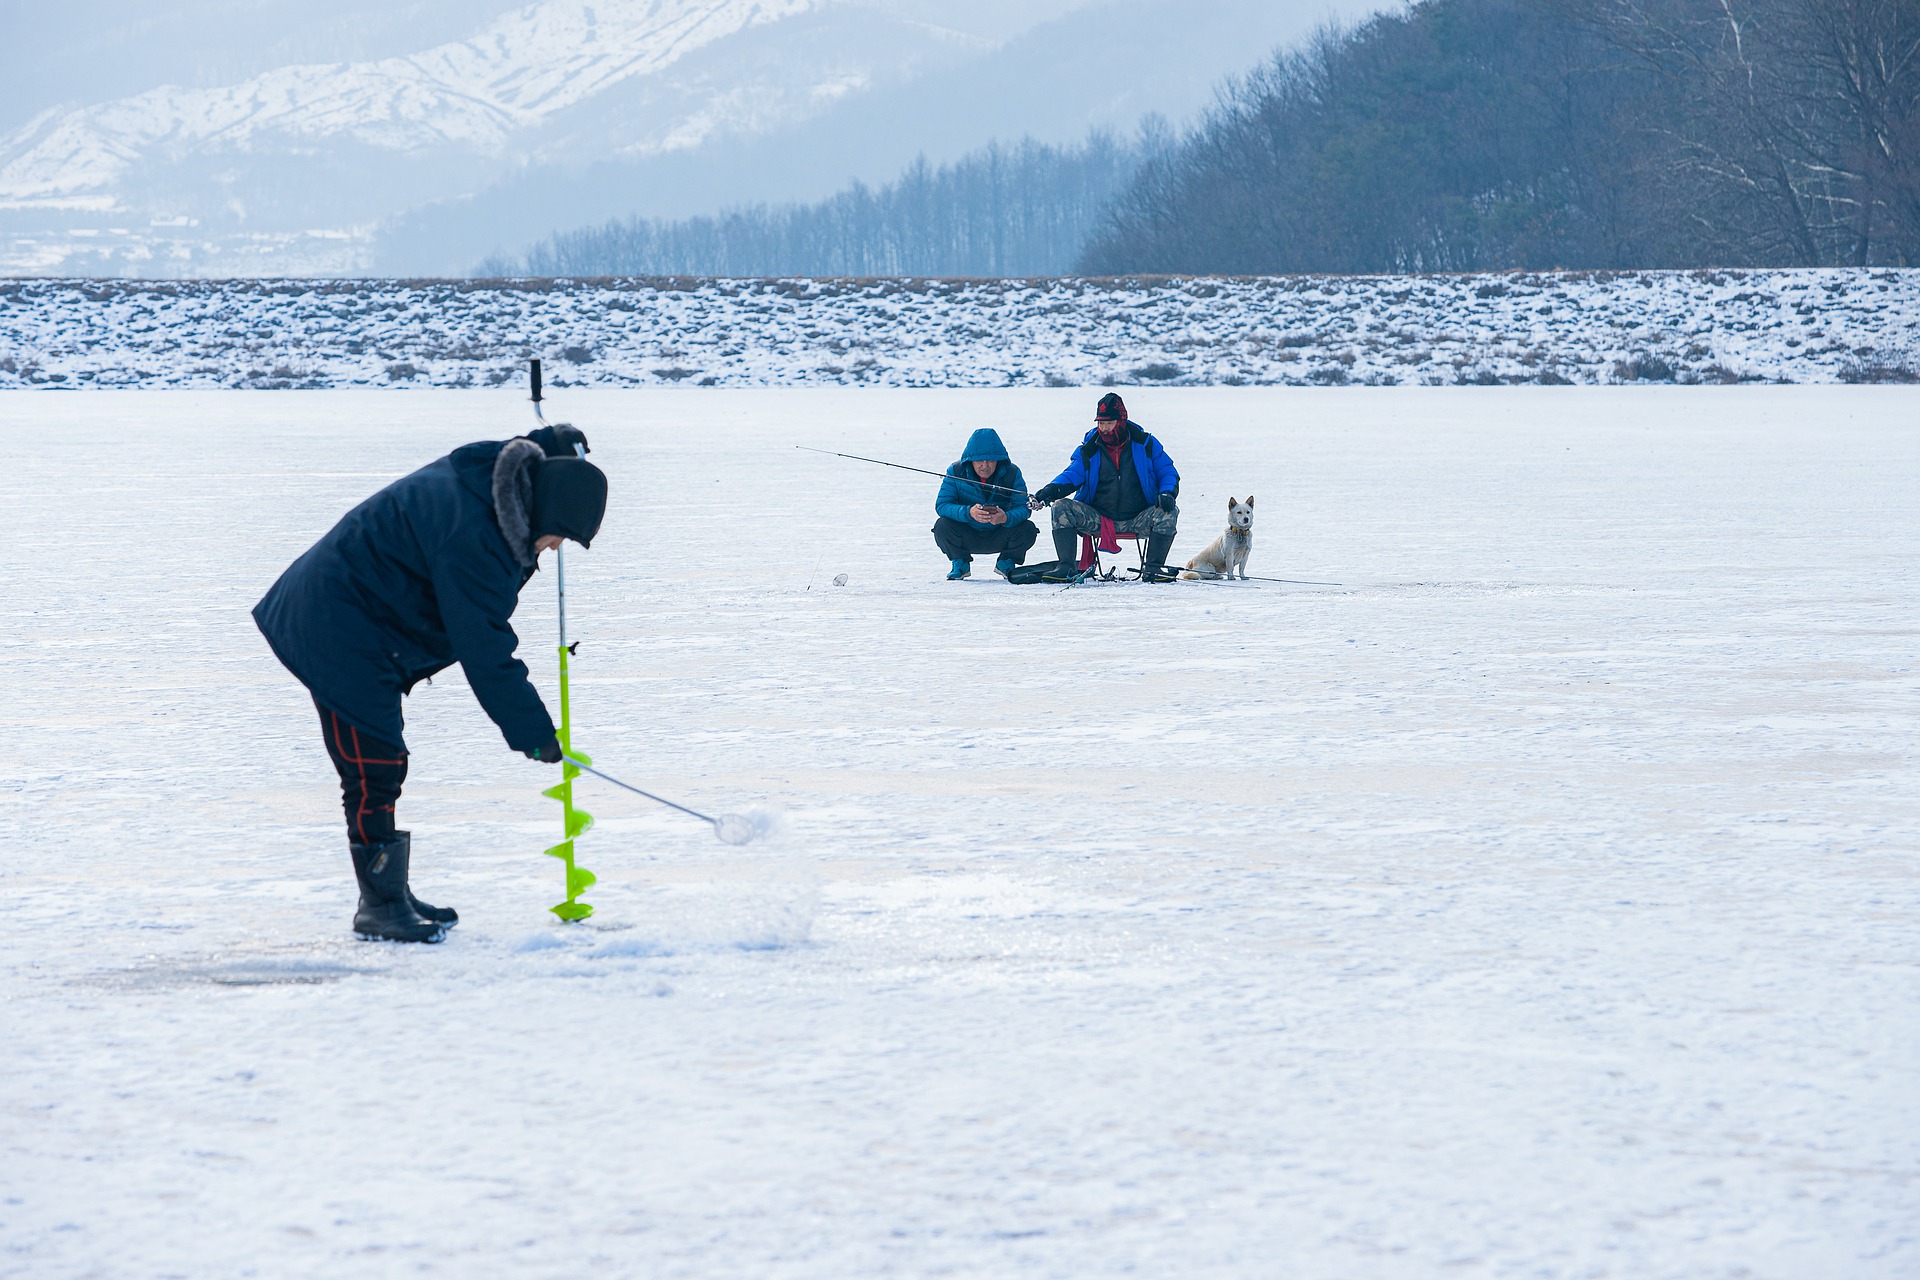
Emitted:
<point x="371" y="774"/>
<point x="961" y="539"/>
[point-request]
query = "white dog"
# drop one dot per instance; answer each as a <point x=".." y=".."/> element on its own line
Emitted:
<point x="1227" y="553"/>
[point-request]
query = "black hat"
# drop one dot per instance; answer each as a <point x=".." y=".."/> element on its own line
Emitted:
<point x="569" y="499"/>
<point x="1112" y="408"/>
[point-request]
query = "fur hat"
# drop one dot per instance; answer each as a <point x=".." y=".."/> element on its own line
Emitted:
<point x="569" y="499"/>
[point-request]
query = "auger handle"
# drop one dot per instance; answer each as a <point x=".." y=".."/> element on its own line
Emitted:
<point x="582" y="765"/>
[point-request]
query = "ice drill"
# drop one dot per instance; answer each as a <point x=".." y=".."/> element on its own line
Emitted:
<point x="574" y="821"/>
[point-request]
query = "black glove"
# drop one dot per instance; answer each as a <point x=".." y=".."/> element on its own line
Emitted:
<point x="549" y="754"/>
<point x="568" y="436"/>
<point x="1051" y="493"/>
<point x="1165" y="502"/>
<point x="557" y="441"/>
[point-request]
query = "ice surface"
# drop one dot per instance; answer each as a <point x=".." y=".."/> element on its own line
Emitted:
<point x="1543" y="902"/>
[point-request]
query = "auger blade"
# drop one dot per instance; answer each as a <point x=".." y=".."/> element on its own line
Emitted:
<point x="572" y="910"/>
<point x="579" y="880"/>
<point x="578" y="822"/>
<point x="557" y="792"/>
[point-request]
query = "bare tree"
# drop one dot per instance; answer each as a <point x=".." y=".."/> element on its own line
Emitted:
<point x="1797" y="121"/>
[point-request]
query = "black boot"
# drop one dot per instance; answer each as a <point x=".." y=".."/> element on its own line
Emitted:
<point x="1155" y="568"/>
<point x="426" y="911"/>
<point x="385" y="910"/>
<point x="1066" y="548"/>
<point x="1066" y="551"/>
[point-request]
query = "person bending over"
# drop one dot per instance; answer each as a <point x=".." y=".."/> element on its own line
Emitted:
<point x="425" y="573"/>
<point x="983" y="507"/>
<point x="1122" y="481"/>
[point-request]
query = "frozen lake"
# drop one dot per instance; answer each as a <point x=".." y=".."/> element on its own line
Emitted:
<point x="1542" y="901"/>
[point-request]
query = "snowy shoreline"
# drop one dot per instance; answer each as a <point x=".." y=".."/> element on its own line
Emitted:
<point x="1800" y="326"/>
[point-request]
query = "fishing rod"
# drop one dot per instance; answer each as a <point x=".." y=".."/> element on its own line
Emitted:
<point x="1223" y="577"/>
<point x="944" y="475"/>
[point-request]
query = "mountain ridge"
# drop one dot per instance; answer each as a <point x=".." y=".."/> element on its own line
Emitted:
<point x="523" y="68"/>
<point x="561" y="112"/>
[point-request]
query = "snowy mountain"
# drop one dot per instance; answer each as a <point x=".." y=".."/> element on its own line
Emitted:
<point x="524" y="69"/>
<point x="394" y="160"/>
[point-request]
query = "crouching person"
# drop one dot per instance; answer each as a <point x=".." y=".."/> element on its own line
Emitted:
<point x="983" y="507"/>
<point x="425" y="573"/>
<point x="1121" y="481"/>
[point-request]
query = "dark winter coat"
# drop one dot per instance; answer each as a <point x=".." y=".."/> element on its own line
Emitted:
<point x="425" y="573"/>
<point x="961" y="490"/>
<point x="1150" y="463"/>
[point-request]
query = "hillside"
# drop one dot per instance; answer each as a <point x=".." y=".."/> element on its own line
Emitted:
<point x="1724" y="326"/>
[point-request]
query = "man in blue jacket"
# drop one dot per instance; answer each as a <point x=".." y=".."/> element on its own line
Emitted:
<point x="425" y="573"/>
<point x="982" y="506"/>
<point x="1122" y="481"/>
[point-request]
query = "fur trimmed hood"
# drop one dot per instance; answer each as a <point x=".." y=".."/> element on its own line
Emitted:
<point x="513" y="496"/>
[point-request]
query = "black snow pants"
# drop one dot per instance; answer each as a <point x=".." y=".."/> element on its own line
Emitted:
<point x="371" y="774"/>
<point x="962" y="539"/>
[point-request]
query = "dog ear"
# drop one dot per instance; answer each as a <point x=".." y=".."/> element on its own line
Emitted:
<point x="1249" y="499"/>
<point x="1232" y="503"/>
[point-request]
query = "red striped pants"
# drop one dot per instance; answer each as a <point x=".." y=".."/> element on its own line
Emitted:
<point x="371" y="774"/>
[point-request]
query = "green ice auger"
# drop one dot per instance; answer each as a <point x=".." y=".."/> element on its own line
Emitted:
<point x="575" y="821"/>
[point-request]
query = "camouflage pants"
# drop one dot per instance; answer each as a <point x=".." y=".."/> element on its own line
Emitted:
<point x="1081" y="518"/>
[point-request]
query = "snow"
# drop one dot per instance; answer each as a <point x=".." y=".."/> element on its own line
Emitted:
<point x="519" y="70"/>
<point x="1580" y="327"/>
<point x="1542" y="901"/>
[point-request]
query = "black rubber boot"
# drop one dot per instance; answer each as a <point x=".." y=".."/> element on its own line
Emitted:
<point x="426" y="911"/>
<point x="1155" y="569"/>
<point x="1066" y="548"/>
<point x="386" y="912"/>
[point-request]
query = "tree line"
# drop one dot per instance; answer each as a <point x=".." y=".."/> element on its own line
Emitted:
<point x="1450" y="135"/>
<point x="1021" y="210"/>
<point x="1462" y="135"/>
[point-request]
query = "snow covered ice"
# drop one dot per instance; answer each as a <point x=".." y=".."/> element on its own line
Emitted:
<point x="1543" y="901"/>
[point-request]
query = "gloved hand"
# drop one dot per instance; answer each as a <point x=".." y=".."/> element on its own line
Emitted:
<point x="569" y="435"/>
<point x="1051" y="493"/>
<point x="549" y="754"/>
<point x="1164" y="502"/>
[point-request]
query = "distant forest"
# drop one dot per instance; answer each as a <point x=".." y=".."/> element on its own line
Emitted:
<point x="1025" y="210"/>
<point x="1451" y="135"/>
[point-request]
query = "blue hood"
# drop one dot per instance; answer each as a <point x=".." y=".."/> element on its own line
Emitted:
<point x="984" y="446"/>
<point x="960" y="488"/>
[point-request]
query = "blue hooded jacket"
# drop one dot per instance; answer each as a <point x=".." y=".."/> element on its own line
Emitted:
<point x="1150" y="462"/>
<point x="417" y="577"/>
<point x="961" y="489"/>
